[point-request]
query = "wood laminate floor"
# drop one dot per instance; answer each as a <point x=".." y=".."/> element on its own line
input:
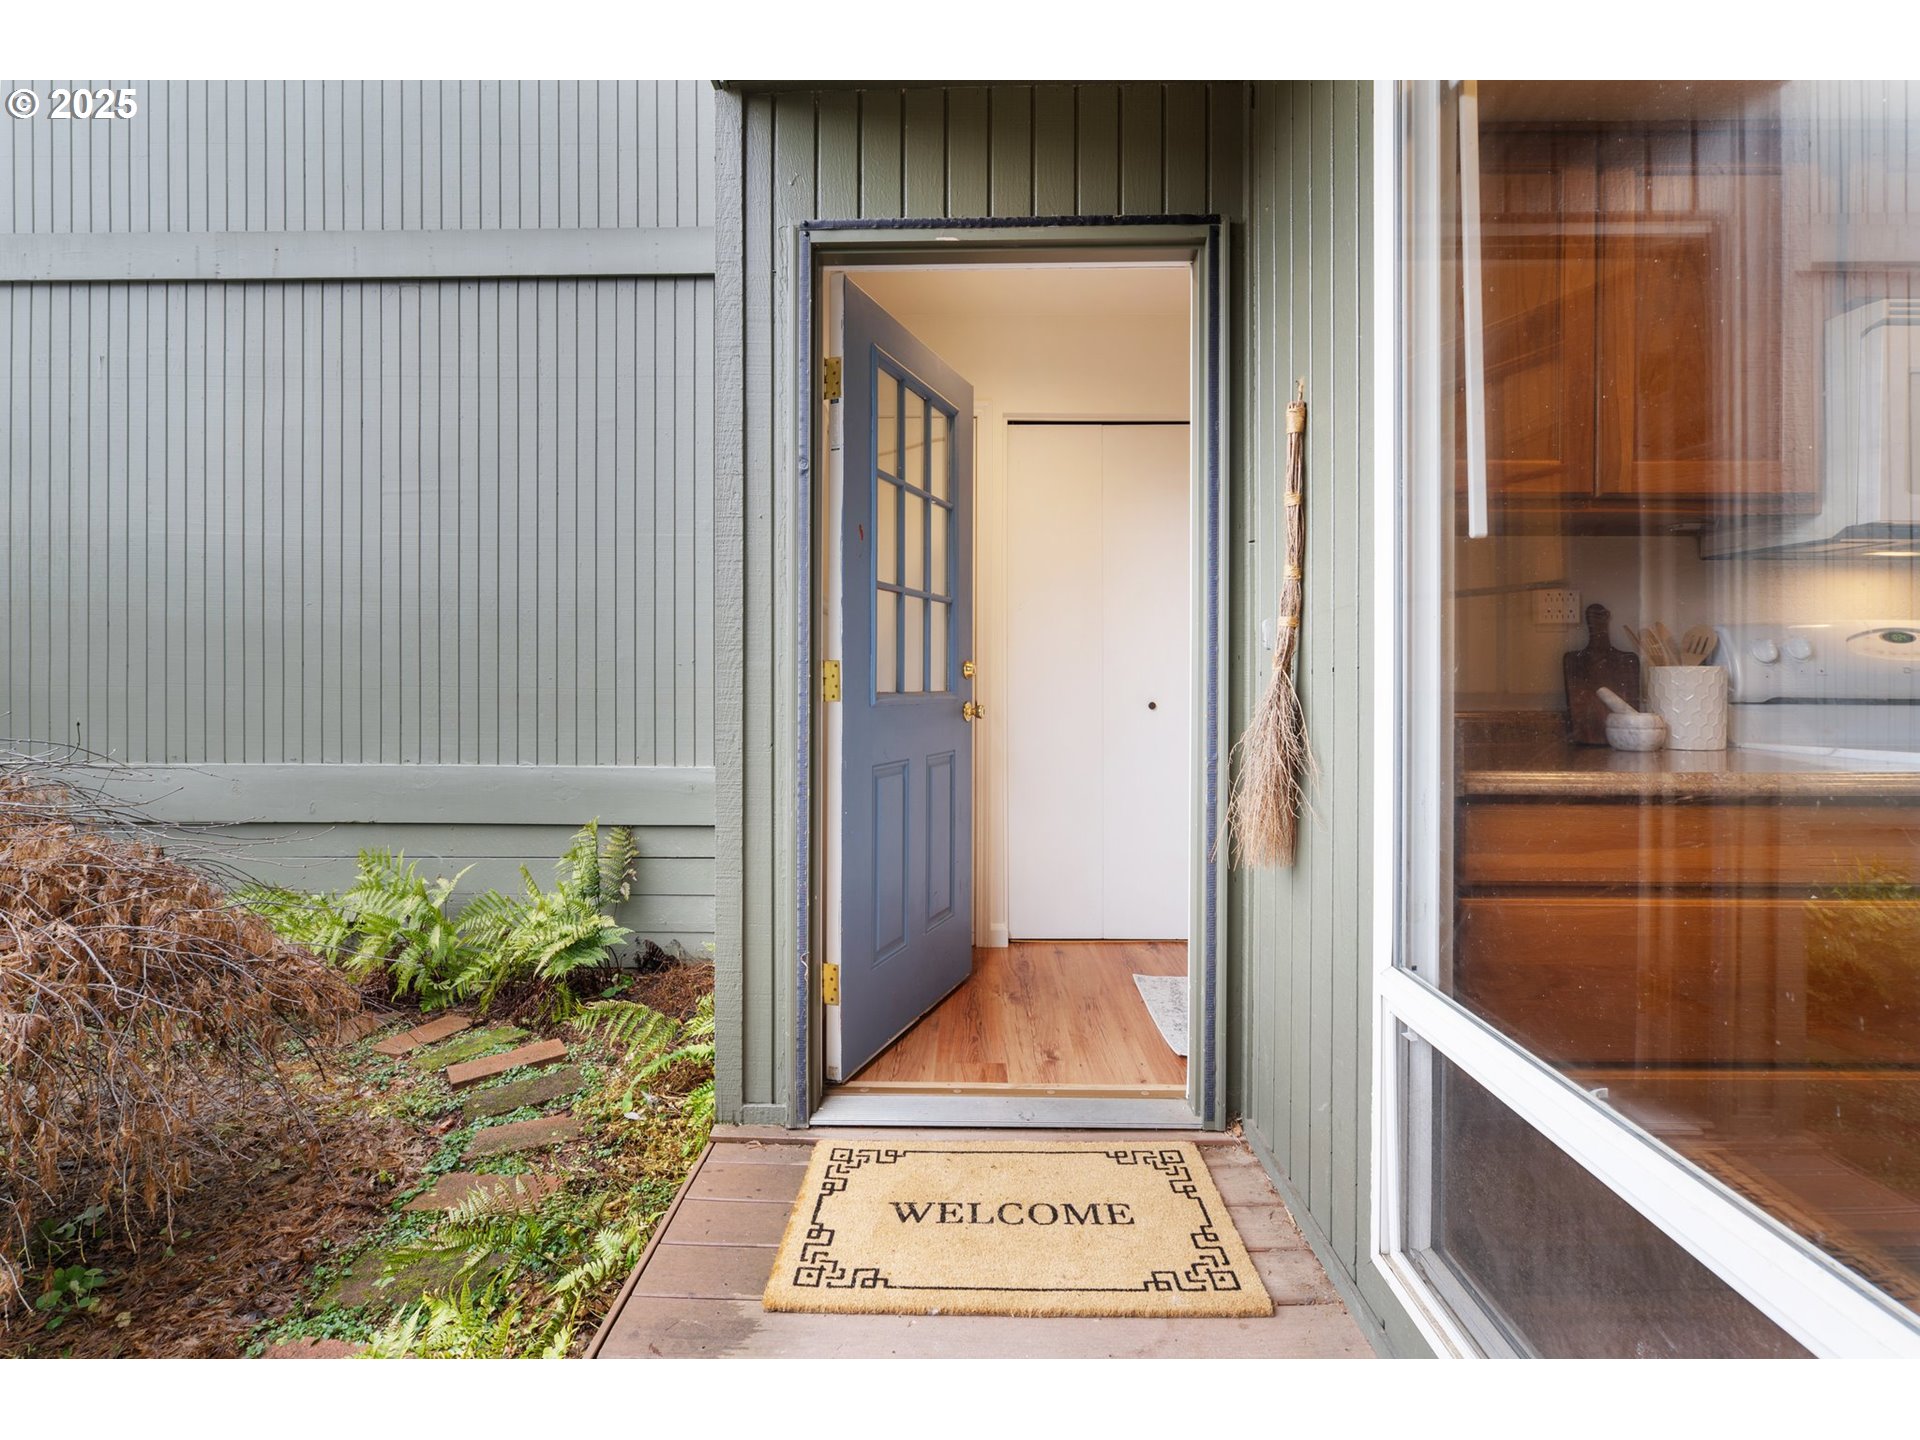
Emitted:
<point x="1042" y="1014"/>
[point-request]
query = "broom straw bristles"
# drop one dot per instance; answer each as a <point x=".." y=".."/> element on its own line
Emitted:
<point x="1276" y="763"/>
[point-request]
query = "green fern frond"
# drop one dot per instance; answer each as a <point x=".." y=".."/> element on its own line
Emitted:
<point x="700" y="1025"/>
<point x="468" y="1325"/>
<point x="700" y="1051"/>
<point x="611" y="1254"/>
<point x="628" y="1023"/>
<point x="489" y="918"/>
<point x="697" y="1111"/>
<point x="619" y="864"/>
<point x="578" y="869"/>
<point x="315" y="921"/>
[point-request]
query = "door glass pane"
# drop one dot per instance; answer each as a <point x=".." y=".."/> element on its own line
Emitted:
<point x="914" y="546"/>
<point x="886" y="532"/>
<point x="1543" y="1258"/>
<point x="886" y="642"/>
<point x="1693" y="367"/>
<point x="914" y="461"/>
<point x="937" y="551"/>
<point x="886" y="422"/>
<point x="942" y="428"/>
<point x="937" y="642"/>
<point x="913" y="667"/>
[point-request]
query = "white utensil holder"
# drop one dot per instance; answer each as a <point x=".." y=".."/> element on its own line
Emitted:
<point x="1692" y="699"/>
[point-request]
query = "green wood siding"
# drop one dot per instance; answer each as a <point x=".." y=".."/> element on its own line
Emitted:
<point x="799" y="155"/>
<point x="1301" y="940"/>
<point x="261" y="156"/>
<point x="350" y="425"/>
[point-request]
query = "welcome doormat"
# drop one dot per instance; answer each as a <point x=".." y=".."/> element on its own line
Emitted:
<point x="993" y="1228"/>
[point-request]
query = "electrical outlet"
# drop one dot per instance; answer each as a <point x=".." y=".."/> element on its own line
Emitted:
<point x="1556" y="609"/>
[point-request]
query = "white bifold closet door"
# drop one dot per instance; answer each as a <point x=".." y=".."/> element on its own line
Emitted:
<point x="1097" y="710"/>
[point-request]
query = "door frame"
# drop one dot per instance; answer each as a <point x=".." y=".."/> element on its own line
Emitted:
<point x="1201" y="242"/>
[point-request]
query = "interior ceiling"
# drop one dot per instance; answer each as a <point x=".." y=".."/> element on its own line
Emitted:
<point x="1048" y="290"/>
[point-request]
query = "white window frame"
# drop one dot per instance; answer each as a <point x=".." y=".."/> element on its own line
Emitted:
<point x="1807" y="1293"/>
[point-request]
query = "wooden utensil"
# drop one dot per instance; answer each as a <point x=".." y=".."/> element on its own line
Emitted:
<point x="1651" y="645"/>
<point x="1669" y="647"/>
<point x="1589" y="669"/>
<point x="1698" y="644"/>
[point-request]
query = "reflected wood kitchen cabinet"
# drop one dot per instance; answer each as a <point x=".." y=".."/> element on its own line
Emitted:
<point x="1537" y="299"/>
<point x="1632" y="292"/>
<point x="1760" y="933"/>
<point x="1690" y="293"/>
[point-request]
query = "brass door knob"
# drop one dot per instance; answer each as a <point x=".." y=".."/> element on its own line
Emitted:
<point x="971" y="712"/>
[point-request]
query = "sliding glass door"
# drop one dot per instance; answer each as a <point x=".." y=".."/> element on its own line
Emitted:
<point x="1650" y="1020"/>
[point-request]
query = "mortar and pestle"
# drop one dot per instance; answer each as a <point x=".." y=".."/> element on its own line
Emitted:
<point x="1628" y="728"/>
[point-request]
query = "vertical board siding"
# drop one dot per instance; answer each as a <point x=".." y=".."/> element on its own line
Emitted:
<point x="288" y="155"/>
<point x="385" y="523"/>
<point x="1301" y="941"/>
<point x="459" y="522"/>
<point x="799" y="155"/>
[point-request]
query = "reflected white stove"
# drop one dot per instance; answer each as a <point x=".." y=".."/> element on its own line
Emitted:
<point x="1840" y="688"/>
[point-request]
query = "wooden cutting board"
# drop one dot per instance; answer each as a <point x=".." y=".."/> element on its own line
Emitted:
<point x="1596" y="666"/>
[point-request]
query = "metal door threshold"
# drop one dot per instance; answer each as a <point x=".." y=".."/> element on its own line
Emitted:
<point x="1009" y="1111"/>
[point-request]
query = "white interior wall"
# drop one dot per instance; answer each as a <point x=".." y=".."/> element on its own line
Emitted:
<point x="1056" y="342"/>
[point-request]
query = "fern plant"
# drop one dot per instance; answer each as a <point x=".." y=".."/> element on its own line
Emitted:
<point x="402" y="928"/>
<point x="391" y="922"/>
<point x="394" y="923"/>
<point x="468" y="1325"/>
<point x="654" y="1044"/>
<point x="611" y="1254"/>
<point x="550" y="934"/>
<point x="315" y="921"/>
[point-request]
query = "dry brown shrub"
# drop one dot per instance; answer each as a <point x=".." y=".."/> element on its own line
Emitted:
<point x="138" y="1005"/>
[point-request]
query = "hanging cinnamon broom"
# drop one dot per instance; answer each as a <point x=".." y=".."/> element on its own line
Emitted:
<point x="1275" y="760"/>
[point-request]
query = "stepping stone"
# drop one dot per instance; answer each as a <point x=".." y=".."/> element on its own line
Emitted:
<point x="451" y="1191"/>
<point x="523" y="1135"/>
<point x="434" y="1273"/>
<point x="308" y="1348"/>
<point x="468" y="1046"/>
<point x="474" y="1071"/>
<point x="356" y="1027"/>
<point x="533" y="1090"/>
<point x="427" y="1034"/>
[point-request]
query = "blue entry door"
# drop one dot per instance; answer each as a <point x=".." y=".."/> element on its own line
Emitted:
<point x="906" y="797"/>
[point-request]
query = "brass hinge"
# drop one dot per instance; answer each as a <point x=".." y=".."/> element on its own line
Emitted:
<point x="830" y="982"/>
<point x="830" y="378"/>
<point x="829" y="680"/>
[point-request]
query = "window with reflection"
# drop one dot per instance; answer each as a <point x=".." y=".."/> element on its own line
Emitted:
<point x="1663" y="408"/>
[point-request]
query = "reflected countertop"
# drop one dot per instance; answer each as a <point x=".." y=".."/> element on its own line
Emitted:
<point x="1551" y="766"/>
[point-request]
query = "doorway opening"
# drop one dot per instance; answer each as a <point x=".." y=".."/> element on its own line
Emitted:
<point x="1011" y="783"/>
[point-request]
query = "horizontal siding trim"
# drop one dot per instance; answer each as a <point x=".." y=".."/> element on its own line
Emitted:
<point x="439" y="794"/>
<point x="235" y="256"/>
<point x="659" y="844"/>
